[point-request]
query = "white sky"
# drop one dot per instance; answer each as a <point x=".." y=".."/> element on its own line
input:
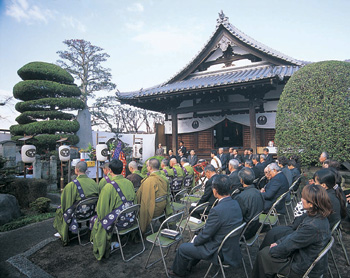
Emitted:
<point x="150" y="41"/>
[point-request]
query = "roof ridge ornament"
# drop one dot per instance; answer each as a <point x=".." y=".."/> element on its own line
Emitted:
<point x="223" y="19"/>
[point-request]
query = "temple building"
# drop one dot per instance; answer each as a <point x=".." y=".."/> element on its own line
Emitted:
<point x="225" y="97"/>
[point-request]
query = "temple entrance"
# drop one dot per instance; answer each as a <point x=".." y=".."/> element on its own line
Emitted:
<point x="228" y="134"/>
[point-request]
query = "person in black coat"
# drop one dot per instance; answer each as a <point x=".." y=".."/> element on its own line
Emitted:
<point x="192" y="158"/>
<point x="224" y="159"/>
<point x="250" y="200"/>
<point x="183" y="148"/>
<point x="293" y="254"/>
<point x="277" y="185"/>
<point x="208" y="195"/>
<point x="235" y="181"/>
<point x="268" y="157"/>
<point x="222" y="219"/>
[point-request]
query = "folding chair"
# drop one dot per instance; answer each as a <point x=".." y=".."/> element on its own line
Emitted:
<point x="336" y="232"/>
<point x="250" y="241"/>
<point x="292" y="199"/>
<point x="84" y="210"/>
<point x="236" y="191"/>
<point x="235" y="232"/>
<point x="135" y="209"/>
<point x="186" y="224"/>
<point x="320" y="255"/>
<point x="159" y="200"/>
<point x="176" y="202"/>
<point x="272" y="216"/>
<point x="194" y="196"/>
<point x="163" y="242"/>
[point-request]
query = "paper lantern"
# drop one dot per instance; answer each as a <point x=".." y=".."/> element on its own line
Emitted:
<point x="28" y="153"/>
<point x="64" y="153"/>
<point x="101" y="152"/>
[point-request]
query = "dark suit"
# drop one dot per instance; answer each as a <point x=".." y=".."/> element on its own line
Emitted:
<point x="222" y="219"/>
<point x="192" y="160"/>
<point x="273" y="189"/>
<point x="224" y="160"/>
<point x="208" y="196"/>
<point x="237" y="157"/>
<point x="235" y="181"/>
<point x="251" y="202"/>
<point x="269" y="159"/>
<point x="184" y="150"/>
<point x="259" y="170"/>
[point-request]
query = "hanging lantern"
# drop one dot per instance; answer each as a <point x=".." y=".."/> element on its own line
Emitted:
<point x="101" y="152"/>
<point x="64" y="153"/>
<point x="28" y="153"/>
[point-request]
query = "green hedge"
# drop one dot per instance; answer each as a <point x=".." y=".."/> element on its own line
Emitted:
<point x="45" y="71"/>
<point x="50" y="139"/>
<point x="43" y="127"/>
<point x="313" y="113"/>
<point x="37" y="89"/>
<point x="31" y="116"/>
<point x="47" y="104"/>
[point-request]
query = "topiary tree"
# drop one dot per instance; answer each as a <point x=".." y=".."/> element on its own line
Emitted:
<point x="313" y="113"/>
<point x="46" y="89"/>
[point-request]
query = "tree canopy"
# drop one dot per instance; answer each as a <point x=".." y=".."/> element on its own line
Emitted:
<point x="108" y="113"/>
<point x="313" y="113"/>
<point x="83" y="60"/>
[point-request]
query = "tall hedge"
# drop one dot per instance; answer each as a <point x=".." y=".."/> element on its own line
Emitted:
<point x="313" y="113"/>
<point x="46" y="90"/>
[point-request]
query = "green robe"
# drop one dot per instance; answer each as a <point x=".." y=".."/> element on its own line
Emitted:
<point x="102" y="183"/>
<point x="69" y="196"/>
<point x="109" y="200"/>
<point x="152" y="187"/>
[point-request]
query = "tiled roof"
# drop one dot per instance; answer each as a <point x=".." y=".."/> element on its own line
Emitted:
<point x="200" y="81"/>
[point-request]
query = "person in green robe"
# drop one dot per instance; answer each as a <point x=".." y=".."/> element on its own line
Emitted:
<point x="190" y="172"/>
<point x="70" y="195"/>
<point x="166" y="170"/>
<point x="152" y="187"/>
<point x="106" y="170"/>
<point x="109" y="200"/>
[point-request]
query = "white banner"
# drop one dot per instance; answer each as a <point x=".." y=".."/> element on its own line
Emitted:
<point x="263" y="120"/>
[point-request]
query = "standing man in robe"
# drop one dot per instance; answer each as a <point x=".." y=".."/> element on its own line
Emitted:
<point x="109" y="200"/>
<point x="152" y="187"/>
<point x="71" y="195"/>
<point x="160" y="150"/>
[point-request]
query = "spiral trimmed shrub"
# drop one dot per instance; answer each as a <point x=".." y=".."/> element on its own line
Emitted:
<point x="45" y="71"/>
<point x="37" y="89"/>
<point x="49" y="104"/>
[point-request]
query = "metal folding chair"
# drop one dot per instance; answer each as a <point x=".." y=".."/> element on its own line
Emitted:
<point x="292" y="199"/>
<point x="192" y="227"/>
<point x="194" y="196"/>
<point x="272" y="216"/>
<point x="235" y="232"/>
<point x="84" y="210"/>
<point x="176" y="202"/>
<point x="250" y="241"/>
<point x="158" y="200"/>
<point x="163" y="242"/>
<point x="336" y="232"/>
<point x="320" y="255"/>
<point x="135" y="209"/>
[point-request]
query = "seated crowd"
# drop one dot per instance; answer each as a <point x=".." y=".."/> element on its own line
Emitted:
<point x="237" y="189"/>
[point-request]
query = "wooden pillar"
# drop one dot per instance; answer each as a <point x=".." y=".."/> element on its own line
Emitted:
<point x="174" y="132"/>
<point x="252" y="123"/>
